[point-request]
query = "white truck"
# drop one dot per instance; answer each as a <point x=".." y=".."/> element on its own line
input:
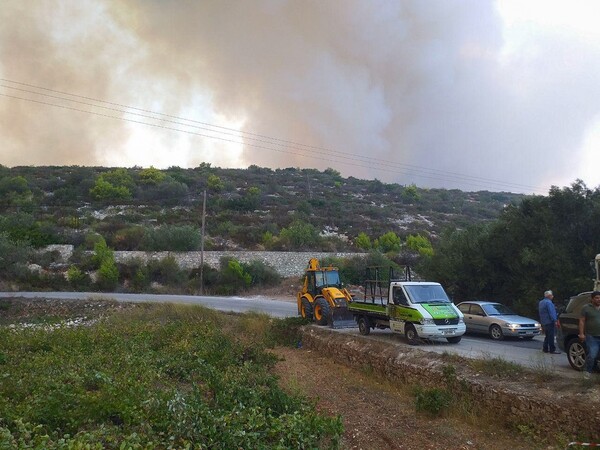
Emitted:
<point x="416" y="309"/>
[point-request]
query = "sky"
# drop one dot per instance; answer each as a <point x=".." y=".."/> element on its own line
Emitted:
<point x="463" y="94"/>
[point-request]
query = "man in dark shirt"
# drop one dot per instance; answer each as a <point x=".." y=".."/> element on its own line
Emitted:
<point x="589" y="331"/>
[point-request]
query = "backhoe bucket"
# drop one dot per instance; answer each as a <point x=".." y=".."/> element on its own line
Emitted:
<point x="341" y="317"/>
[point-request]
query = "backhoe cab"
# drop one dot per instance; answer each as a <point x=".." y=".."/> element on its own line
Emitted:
<point x="323" y="299"/>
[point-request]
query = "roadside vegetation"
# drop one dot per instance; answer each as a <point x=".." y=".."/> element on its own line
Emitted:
<point x="542" y="243"/>
<point x="153" y="376"/>
<point x="480" y="245"/>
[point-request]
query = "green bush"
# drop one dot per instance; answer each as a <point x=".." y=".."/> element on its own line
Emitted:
<point x="172" y="238"/>
<point x="232" y="277"/>
<point x="261" y="274"/>
<point x="433" y="401"/>
<point x="299" y="236"/>
<point x="108" y="275"/>
<point x="13" y="256"/>
<point x="78" y="279"/>
<point x="153" y="377"/>
<point x="167" y="272"/>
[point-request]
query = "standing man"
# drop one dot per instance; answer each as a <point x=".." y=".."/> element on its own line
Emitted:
<point x="589" y="331"/>
<point x="548" y="319"/>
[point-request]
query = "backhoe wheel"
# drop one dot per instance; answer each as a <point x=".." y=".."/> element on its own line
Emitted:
<point x="306" y="309"/>
<point x="411" y="334"/>
<point x="363" y="326"/>
<point x="322" y="311"/>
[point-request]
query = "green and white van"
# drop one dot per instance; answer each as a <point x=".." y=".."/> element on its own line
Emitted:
<point x="416" y="309"/>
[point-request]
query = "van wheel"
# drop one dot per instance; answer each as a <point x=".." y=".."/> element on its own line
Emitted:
<point x="576" y="354"/>
<point x="306" y="309"/>
<point x="496" y="333"/>
<point x="321" y="311"/>
<point x="454" y="339"/>
<point x="363" y="326"/>
<point x="411" y="334"/>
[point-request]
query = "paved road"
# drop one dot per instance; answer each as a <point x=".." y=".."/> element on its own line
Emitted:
<point x="526" y="353"/>
<point x="273" y="307"/>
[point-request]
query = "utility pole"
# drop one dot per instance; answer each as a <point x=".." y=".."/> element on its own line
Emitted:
<point x="202" y="245"/>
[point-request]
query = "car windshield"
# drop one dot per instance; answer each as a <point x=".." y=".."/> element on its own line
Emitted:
<point x="498" y="309"/>
<point x="427" y="293"/>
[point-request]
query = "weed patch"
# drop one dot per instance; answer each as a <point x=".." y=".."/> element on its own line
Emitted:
<point x="497" y="367"/>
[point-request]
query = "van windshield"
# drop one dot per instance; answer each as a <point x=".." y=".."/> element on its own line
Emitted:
<point x="427" y="293"/>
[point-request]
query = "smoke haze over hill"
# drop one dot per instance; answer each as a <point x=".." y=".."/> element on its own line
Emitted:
<point x="427" y="92"/>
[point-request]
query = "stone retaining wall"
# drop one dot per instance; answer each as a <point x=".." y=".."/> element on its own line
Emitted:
<point x="540" y="410"/>
<point x="287" y="264"/>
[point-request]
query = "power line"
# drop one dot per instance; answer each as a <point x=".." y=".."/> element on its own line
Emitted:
<point x="365" y="162"/>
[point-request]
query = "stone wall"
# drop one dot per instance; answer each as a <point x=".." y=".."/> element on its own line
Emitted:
<point x="287" y="264"/>
<point x="515" y="402"/>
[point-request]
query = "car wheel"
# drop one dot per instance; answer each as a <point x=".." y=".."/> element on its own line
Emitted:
<point x="411" y="334"/>
<point x="364" y="327"/>
<point x="496" y="333"/>
<point x="576" y="354"/>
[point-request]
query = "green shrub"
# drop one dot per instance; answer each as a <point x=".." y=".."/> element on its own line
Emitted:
<point x="261" y="274"/>
<point x="153" y="377"/>
<point x="232" y="277"/>
<point x="433" y="401"/>
<point x="167" y="271"/>
<point x="108" y="275"/>
<point x="172" y="238"/>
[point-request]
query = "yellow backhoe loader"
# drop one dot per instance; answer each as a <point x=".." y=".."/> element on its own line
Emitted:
<point x="323" y="299"/>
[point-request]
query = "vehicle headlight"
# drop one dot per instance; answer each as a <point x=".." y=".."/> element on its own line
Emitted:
<point x="461" y="320"/>
<point x="427" y="321"/>
<point x="513" y="326"/>
<point x="537" y="325"/>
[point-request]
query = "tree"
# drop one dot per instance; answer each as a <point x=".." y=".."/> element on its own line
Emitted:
<point x="299" y="236"/>
<point x="103" y="190"/>
<point x="544" y="242"/>
<point x="411" y="193"/>
<point x="14" y="191"/>
<point x="420" y="244"/>
<point x="102" y="253"/>
<point x="233" y="277"/>
<point x="388" y="243"/>
<point x="363" y="241"/>
<point x="151" y="176"/>
<point x="119" y="177"/>
<point x="108" y="275"/>
<point x="13" y="256"/>
<point x="214" y="183"/>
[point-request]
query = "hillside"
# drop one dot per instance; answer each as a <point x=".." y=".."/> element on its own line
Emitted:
<point x="245" y="209"/>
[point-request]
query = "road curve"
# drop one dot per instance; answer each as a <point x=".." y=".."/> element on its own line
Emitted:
<point x="272" y="307"/>
<point x="525" y="353"/>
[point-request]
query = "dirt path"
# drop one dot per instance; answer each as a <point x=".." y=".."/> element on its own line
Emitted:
<point x="379" y="415"/>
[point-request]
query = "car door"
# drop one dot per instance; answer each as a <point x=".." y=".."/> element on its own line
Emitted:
<point x="479" y="319"/>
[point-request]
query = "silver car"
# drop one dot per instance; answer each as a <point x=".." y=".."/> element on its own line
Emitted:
<point x="497" y="320"/>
